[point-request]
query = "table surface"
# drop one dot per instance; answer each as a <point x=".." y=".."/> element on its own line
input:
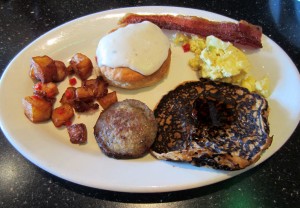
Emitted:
<point x="274" y="183"/>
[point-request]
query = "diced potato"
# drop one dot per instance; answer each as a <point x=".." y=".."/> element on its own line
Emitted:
<point x="44" y="68"/>
<point x="81" y="65"/>
<point x="62" y="114"/>
<point x="31" y="74"/>
<point x="37" y="109"/>
<point x="61" y="71"/>
<point x="77" y="133"/>
<point x="48" y="90"/>
<point x="99" y="85"/>
<point x="82" y="106"/>
<point x="102" y="89"/>
<point x="85" y="93"/>
<point x="89" y="82"/>
<point x="69" y="96"/>
<point x="70" y="70"/>
<point x="108" y="100"/>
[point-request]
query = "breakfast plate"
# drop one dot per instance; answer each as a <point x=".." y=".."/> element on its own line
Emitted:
<point x="50" y="149"/>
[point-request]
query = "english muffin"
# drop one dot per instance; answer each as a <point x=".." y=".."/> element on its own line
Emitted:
<point x="134" y="56"/>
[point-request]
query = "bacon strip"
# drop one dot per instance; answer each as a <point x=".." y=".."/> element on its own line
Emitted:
<point x="242" y="33"/>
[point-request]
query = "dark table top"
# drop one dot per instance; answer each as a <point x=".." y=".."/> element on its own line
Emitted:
<point x="274" y="183"/>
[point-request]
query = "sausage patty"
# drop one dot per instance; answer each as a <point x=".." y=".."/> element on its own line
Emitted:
<point x="125" y="130"/>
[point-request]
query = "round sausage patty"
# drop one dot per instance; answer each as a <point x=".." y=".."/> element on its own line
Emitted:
<point x="126" y="130"/>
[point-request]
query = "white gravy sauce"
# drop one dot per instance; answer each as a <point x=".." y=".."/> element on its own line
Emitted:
<point x="142" y="47"/>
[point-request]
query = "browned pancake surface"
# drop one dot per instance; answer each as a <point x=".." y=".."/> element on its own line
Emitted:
<point x="229" y="129"/>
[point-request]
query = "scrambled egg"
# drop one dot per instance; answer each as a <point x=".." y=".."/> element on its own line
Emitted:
<point x="221" y="61"/>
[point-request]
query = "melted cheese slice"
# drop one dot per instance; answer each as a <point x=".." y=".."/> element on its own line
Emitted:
<point x="142" y="47"/>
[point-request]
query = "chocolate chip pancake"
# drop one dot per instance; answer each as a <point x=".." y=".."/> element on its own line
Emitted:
<point x="214" y="124"/>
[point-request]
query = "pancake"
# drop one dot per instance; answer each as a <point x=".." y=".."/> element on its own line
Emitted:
<point x="214" y="124"/>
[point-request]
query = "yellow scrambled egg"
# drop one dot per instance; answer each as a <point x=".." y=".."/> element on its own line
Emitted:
<point x="221" y="61"/>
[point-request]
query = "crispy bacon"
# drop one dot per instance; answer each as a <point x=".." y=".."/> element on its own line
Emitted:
<point x="242" y="33"/>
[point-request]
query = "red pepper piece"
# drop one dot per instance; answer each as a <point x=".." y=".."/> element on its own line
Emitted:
<point x="38" y="86"/>
<point x="69" y="94"/>
<point x="72" y="81"/>
<point x="186" y="47"/>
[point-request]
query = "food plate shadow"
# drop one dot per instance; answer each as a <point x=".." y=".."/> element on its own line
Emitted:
<point x="184" y="165"/>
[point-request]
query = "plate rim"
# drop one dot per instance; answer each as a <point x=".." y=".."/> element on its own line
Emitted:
<point x="117" y="10"/>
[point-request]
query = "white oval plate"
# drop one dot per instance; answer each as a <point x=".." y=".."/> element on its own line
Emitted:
<point x="50" y="148"/>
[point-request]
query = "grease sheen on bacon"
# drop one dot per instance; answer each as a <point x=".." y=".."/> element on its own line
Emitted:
<point x="242" y="33"/>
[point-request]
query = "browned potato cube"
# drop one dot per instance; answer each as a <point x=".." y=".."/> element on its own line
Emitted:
<point x="82" y="65"/>
<point x="44" y="68"/>
<point x="61" y="71"/>
<point x="69" y="96"/>
<point x="36" y="108"/>
<point x="48" y="90"/>
<point x="70" y="70"/>
<point x="89" y="82"/>
<point x="108" y="100"/>
<point x="77" y="133"/>
<point x="62" y="114"/>
<point x="31" y="74"/>
<point x="81" y="106"/>
<point x="99" y="85"/>
<point x="102" y="89"/>
<point x="85" y="93"/>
